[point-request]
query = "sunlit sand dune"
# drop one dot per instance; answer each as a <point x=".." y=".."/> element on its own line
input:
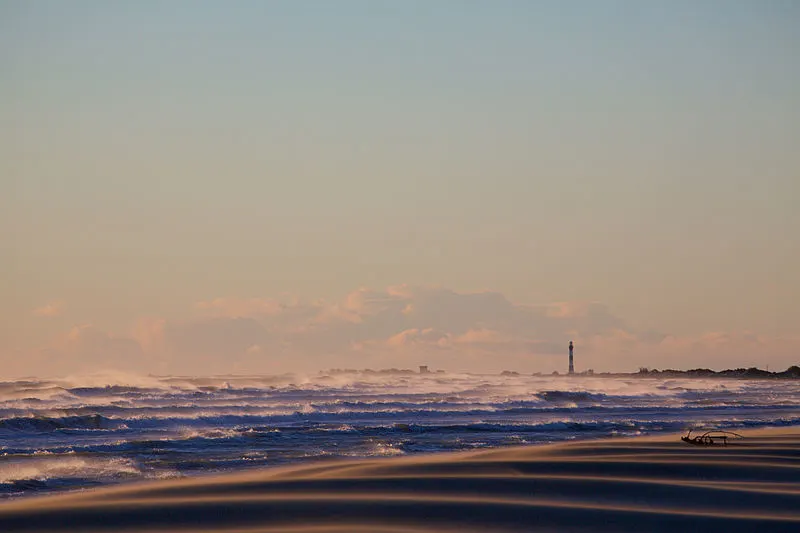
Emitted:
<point x="641" y="484"/>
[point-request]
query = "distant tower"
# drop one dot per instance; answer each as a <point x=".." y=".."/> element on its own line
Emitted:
<point x="571" y="365"/>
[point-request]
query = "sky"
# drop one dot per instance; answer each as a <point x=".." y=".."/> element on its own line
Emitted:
<point x="265" y="186"/>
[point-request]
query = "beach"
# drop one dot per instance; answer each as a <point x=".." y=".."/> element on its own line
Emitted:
<point x="620" y="484"/>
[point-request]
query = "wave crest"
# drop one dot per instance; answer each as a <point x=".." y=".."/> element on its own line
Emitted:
<point x="42" y="424"/>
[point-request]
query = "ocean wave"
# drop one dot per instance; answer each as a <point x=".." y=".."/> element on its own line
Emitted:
<point x="71" y="466"/>
<point x="47" y="424"/>
<point x="76" y="432"/>
<point x="570" y="396"/>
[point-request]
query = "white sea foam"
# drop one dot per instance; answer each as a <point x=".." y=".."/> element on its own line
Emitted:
<point x="44" y="468"/>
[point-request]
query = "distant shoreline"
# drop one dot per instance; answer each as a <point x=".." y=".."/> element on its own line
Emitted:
<point x="793" y="372"/>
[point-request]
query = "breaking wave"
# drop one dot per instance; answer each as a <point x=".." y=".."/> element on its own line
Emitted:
<point x="39" y="424"/>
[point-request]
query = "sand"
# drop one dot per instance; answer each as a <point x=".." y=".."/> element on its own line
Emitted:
<point x="643" y="484"/>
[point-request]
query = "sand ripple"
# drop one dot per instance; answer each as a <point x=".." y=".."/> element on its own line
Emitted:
<point x="644" y="485"/>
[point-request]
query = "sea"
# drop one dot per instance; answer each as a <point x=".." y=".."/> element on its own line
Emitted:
<point x="70" y="434"/>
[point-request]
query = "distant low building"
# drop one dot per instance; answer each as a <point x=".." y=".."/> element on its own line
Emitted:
<point x="423" y="369"/>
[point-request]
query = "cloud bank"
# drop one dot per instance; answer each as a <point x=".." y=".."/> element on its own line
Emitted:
<point x="399" y="326"/>
<point x="54" y="308"/>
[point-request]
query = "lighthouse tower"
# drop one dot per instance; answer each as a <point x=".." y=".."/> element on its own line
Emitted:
<point x="571" y="365"/>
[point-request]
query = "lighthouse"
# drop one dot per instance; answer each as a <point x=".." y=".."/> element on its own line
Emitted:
<point x="571" y="365"/>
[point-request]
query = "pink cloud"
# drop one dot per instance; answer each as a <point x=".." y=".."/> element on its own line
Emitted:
<point x="366" y="301"/>
<point x="415" y="337"/>
<point x="461" y="331"/>
<point x="149" y="333"/>
<point x="54" y="308"/>
<point x="338" y="313"/>
<point x="77" y="332"/>
<point x="87" y="348"/>
<point x="578" y="309"/>
<point x="240" y="307"/>
<point x="482" y="336"/>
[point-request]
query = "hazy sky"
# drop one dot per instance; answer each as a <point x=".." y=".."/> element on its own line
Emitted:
<point x="154" y="156"/>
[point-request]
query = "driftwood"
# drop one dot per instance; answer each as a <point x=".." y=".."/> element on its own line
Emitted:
<point x="715" y="437"/>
